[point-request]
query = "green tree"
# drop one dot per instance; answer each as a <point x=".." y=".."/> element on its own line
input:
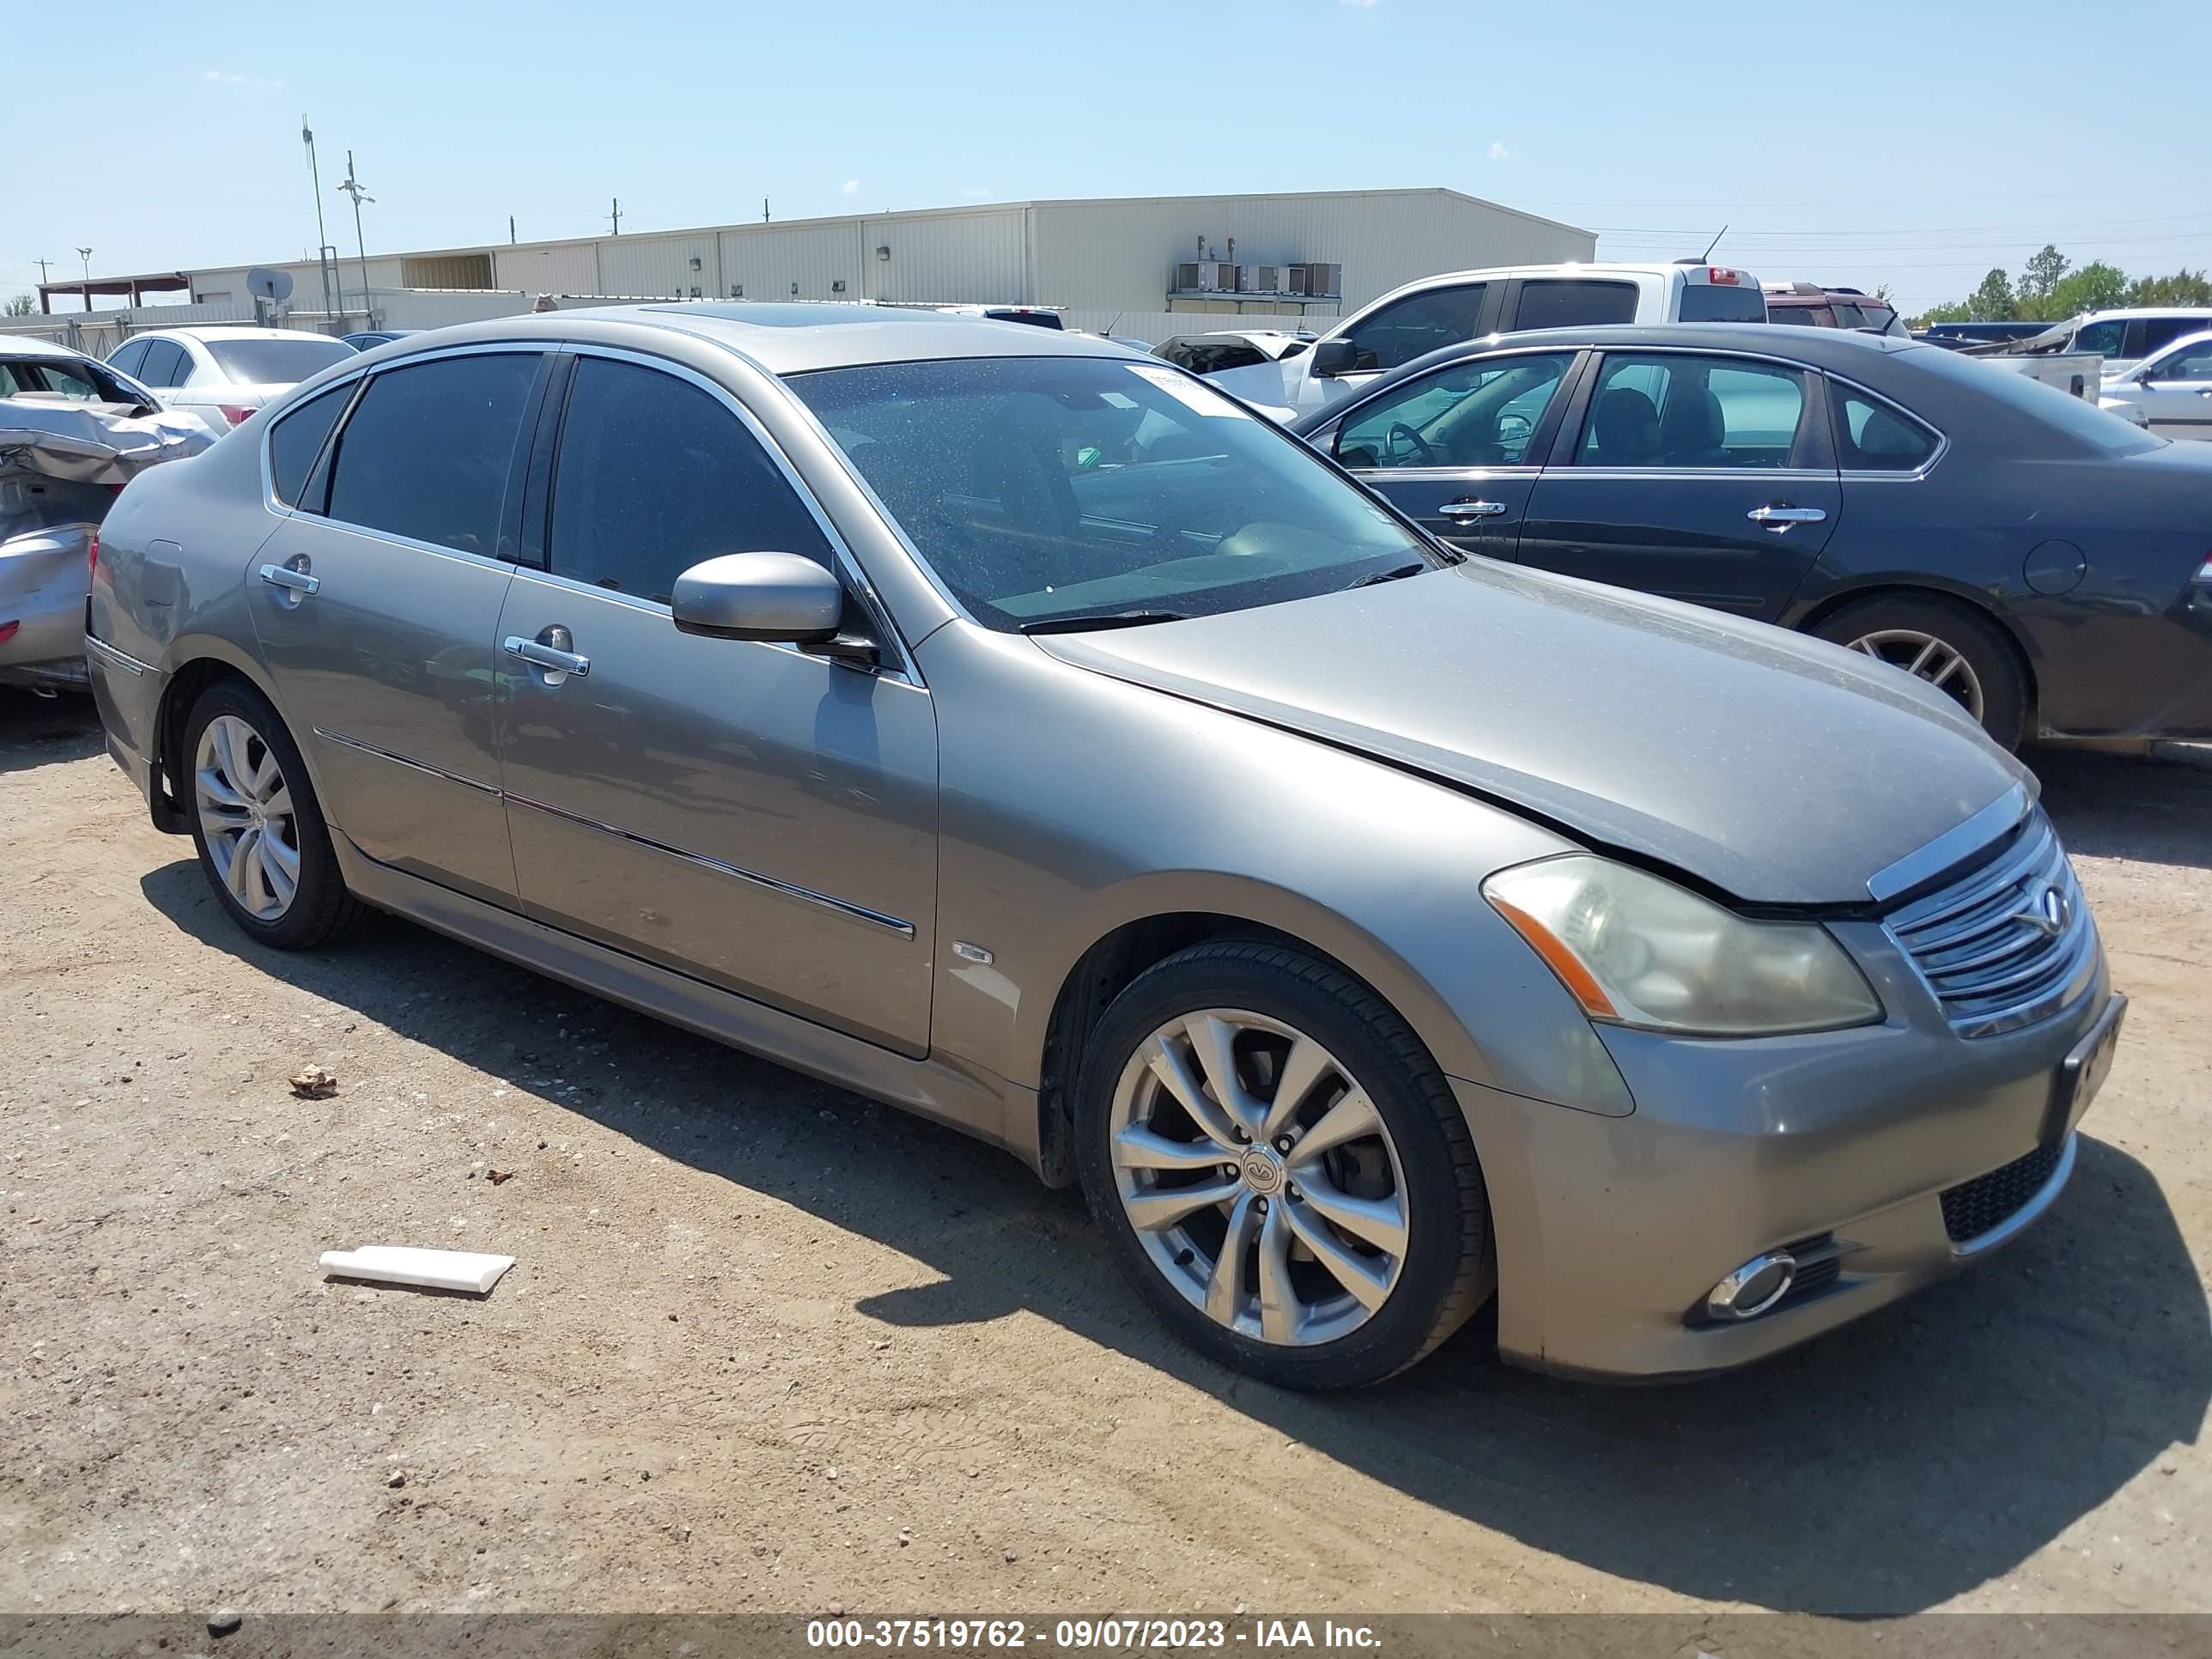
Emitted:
<point x="2184" y="288"/>
<point x="21" y="304"/>
<point x="1993" y="301"/>
<point x="2037" y="278"/>
<point x="2095" y="287"/>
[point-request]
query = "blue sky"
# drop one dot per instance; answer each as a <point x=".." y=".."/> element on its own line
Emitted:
<point x="1915" y="146"/>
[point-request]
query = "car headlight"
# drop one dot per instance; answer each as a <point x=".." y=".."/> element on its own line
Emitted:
<point x="1639" y="951"/>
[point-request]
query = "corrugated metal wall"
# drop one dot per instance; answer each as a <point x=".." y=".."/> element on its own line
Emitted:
<point x="568" y="268"/>
<point x="792" y="261"/>
<point x="1094" y="255"/>
<point x="977" y="256"/>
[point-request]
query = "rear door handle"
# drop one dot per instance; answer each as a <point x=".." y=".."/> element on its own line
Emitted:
<point x="1778" y="516"/>
<point x="284" y="576"/>
<point x="547" y="657"/>
<point x="1460" y="512"/>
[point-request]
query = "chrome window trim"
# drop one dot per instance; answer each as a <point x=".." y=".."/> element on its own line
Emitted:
<point x="344" y="741"/>
<point x="839" y="907"/>
<point x="2030" y="1213"/>
<point x="1704" y="474"/>
<point x="270" y="499"/>
<point x="1953" y="847"/>
<point x="848" y="568"/>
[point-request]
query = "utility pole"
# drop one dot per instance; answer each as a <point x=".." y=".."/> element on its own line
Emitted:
<point x="763" y="210"/>
<point x="85" y="254"/>
<point x="615" y="216"/>
<point x="352" y="187"/>
<point x="323" y="261"/>
<point x="510" y="230"/>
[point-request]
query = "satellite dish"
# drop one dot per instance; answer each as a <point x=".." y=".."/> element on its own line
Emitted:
<point x="275" y="286"/>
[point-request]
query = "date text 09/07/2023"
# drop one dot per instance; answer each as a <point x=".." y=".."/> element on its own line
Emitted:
<point x="1078" y="1635"/>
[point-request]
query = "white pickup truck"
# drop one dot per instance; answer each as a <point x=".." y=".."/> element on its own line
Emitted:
<point x="1465" y="305"/>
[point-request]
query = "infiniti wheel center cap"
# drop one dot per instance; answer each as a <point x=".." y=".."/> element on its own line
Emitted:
<point x="1262" y="1171"/>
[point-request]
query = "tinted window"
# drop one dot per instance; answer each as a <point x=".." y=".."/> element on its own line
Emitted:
<point x="2192" y="363"/>
<point x="1575" y="305"/>
<point x="427" y="452"/>
<point x="1419" y="323"/>
<point x="277" y="363"/>
<point x="130" y="357"/>
<point x="297" y="439"/>
<point x="1848" y="315"/>
<point x="1676" y="411"/>
<point x="2160" y="331"/>
<point x="1478" y="414"/>
<point x="1872" y="437"/>
<point x="1800" y="316"/>
<point x="654" y="476"/>
<point x="1044" y="489"/>
<point x="2103" y="339"/>
<point x="168" y="363"/>
<point x="1711" y="302"/>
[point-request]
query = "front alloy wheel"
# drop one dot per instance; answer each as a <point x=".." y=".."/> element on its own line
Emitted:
<point x="1258" y="1177"/>
<point x="246" y="817"/>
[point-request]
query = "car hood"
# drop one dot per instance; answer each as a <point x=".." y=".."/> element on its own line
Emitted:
<point x="1775" y="767"/>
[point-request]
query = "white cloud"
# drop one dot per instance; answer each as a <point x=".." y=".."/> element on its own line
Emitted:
<point x="975" y="193"/>
<point x="234" y="78"/>
<point x="1499" y="153"/>
<point x="852" y="187"/>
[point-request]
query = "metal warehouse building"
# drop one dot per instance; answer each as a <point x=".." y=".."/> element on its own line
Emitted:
<point x="1142" y="260"/>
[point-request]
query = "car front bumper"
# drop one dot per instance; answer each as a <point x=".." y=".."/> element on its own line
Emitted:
<point x="1610" y="1231"/>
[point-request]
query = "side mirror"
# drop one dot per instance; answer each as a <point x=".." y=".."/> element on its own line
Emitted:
<point x="1330" y="358"/>
<point x="778" y="599"/>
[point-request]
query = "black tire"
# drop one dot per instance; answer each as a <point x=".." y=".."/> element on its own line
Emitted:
<point x="1992" y="658"/>
<point x="322" y="907"/>
<point x="1447" y="1273"/>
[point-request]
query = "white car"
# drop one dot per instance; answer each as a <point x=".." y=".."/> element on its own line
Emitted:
<point x="1410" y="321"/>
<point x="224" y="373"/>
<point x="2170" y="393"/>
<point x="1232" y="348"/>
<point x="2122" y="338"/>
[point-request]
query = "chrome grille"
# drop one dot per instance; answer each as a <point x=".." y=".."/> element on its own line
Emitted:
<point x="1985" y="944"/>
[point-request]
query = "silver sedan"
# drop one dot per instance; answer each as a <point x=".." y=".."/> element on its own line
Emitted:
<point x="1013" y="728"/>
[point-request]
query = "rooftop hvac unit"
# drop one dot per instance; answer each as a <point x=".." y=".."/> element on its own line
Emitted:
<point x="1316" y="280"/>
<point x="1206" y="277"/>
<point x="1259" y="279"/>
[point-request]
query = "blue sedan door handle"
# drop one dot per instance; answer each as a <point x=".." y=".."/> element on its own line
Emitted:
<point x="1778" y="516"/>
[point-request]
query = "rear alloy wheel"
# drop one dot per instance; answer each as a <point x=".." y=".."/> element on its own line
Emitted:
<point x="263" y="844"/>
<point x="1959" y="652"/>
<point x="1279" y="1167"/>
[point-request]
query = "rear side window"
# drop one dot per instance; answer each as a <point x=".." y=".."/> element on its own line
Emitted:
<point x="1575" y="304"/>
<point x="1872" y="437"/>
<point x="427" y="453"/>
<point x="1675" y="410"/>
<point x="168" y="363"/>
<point x="297" y="439"/>
<point x="654" y="476"/>
<point x="1718" y="302"/>
<point x="1416" y="324"/>
<point x="2162" y="331"/>
<point x="130" y="357"/>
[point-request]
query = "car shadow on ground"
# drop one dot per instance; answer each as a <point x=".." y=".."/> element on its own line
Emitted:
<point x="2156" y="808"/>
<point x="1881" y="1469"/>
<point x="37" y="730"/>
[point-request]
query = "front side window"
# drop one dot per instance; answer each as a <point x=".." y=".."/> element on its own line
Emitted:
<point x="277" y="363"/>
<point x="427" y="453"/>
<point x="1676" y="410"/>
<point x="1043" y="490"/>
<point x="1416" y="324"/>
<point x="1872" y="437"/>
<point x="1580" y="304"/>
<point x="2103" y="339"/>
<point x="297" y="439"/>
<point x="2190" y="363"/>
<point x="654" y="476"/>
<point x="1477" y="414"/>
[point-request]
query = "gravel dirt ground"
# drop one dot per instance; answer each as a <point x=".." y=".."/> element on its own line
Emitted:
<point x="771" y="1347"/>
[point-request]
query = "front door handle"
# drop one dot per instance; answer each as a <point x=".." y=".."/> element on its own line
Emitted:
<point x="550" y="657"/>
<point x="293" y="578"/>
<point x="1778" y="516"/>
<point x="1464" y="511"/>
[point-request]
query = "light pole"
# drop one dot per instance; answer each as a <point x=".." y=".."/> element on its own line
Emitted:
<point x="352" y="187"/>
<point x="85" y="254"/>
<point x="323" y="251"/>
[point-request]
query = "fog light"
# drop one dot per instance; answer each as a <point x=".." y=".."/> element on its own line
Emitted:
<point x="1754" y="1287"/>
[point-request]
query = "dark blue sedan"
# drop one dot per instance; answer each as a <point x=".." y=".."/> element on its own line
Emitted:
<point x="2047" y="564"/>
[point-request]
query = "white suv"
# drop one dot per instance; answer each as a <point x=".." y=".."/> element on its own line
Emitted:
<point x="1465" y="305"/>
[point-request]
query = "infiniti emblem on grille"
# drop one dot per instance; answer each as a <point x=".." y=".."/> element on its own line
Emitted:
<point x="2048" y="914"/>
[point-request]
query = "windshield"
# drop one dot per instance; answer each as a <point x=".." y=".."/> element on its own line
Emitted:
<point x="1041" y="488"/>
<point x="277" y="363"/>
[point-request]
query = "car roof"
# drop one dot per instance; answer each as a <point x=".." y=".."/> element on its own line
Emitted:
<point x="2135" y="311"/>
<point x="30" y="345"/>
<point x="791" y="337"/>
<point x="226" y="332"/>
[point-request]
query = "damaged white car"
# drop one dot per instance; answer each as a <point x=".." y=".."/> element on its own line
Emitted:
<point x="73" y="432"/>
